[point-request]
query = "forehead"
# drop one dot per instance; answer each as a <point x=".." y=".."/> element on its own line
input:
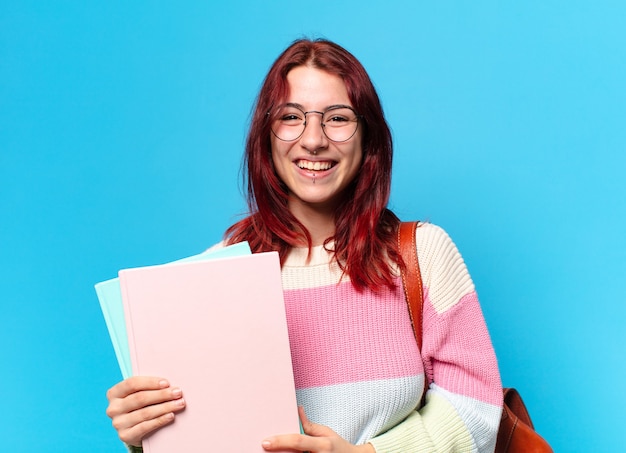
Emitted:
<point x="315" y="88"/>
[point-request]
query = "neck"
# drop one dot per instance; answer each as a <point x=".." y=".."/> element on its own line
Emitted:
<point x="320" y="222"/>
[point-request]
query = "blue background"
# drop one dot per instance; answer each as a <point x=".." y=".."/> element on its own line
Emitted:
<point x="121" y="130"/>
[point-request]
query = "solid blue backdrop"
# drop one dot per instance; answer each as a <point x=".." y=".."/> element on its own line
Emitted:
<point x="121" y="131"/>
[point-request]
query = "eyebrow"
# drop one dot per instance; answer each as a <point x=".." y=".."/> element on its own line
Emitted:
<point x="330" y="107"/>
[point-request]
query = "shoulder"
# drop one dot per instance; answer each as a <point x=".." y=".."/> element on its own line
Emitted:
<point x="432" y="241"/>
<point x="430" y="230"/>
<point x="442" y="267"/>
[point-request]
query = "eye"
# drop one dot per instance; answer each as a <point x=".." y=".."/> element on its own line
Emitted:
<point x="336" y="119"/>
<point x="339" y="117"/>
<point x="289" y="117"/>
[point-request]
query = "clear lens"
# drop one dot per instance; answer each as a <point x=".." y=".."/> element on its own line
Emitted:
<point x="338" y="123"/>
<point x="288" y="123"/>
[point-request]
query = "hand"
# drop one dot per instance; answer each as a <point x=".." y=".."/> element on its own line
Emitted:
<point x="318" y="439"/>
<point x="140" y="405"/>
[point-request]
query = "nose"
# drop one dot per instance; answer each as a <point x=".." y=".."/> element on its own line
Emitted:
<point x="313" y="138"/>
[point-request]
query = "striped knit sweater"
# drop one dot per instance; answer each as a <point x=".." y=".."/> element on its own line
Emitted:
<point x="357" y="367"/>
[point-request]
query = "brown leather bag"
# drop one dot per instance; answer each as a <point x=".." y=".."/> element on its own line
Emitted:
<point x="516" y="433"/>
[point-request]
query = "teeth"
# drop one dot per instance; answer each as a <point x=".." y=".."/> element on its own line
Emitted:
<point x="314" y="166"/>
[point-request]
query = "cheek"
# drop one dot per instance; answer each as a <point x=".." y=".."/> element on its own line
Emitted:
<point x="277" y="150"/>
<point x="278" y="160"/>
<point x="358" y="155"/>
<point x="357" y="164"/>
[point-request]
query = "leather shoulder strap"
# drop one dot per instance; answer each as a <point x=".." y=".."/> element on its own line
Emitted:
<point x="411" y="277"/>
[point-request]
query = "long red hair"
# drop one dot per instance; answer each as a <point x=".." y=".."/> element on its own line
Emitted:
<point x="365" y="230"/>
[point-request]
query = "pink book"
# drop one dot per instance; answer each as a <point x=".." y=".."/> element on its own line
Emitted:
<point x="218" y="330"/>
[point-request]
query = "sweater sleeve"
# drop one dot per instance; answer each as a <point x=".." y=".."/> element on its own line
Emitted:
<point x="464" y="399"/>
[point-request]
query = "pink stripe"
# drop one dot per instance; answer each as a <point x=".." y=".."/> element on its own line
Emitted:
<point x="457" y="344"/>
<point x="364" y="337"/>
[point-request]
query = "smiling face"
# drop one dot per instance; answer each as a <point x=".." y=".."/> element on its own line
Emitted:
<point x="315" y="169"/>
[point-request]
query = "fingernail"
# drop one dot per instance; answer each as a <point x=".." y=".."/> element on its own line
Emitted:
<point x="176" y="393"/>
<point x="266" y="444"/>
<point x="163" y="383"/>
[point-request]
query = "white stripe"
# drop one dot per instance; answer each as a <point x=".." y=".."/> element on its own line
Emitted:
<point x="481" y="419"/>
<point x="362" y="410"/>
<point x="442" y="267"/>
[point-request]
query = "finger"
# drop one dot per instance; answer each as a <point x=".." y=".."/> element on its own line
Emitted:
<point x="142" y="399"/>
<point x="133" y="427"/>
<point x="135" y="434"/>
<point x="313" y="429"/>
<point x="296" y="442"/>
<point x="146" y="414"/>
<point x="135" y="384"/>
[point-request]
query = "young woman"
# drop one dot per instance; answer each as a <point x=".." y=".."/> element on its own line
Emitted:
<point x="318" y="158"/>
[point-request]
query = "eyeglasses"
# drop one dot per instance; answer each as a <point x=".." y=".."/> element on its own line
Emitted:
<point x="339" y="122"/>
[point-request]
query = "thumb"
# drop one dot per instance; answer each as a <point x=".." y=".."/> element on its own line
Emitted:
<point x="313" y="429"/>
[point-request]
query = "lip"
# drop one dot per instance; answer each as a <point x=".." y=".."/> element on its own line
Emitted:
<point x="314" y="168"/>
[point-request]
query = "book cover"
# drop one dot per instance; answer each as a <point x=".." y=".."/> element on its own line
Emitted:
<point x="218" y="330"/>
